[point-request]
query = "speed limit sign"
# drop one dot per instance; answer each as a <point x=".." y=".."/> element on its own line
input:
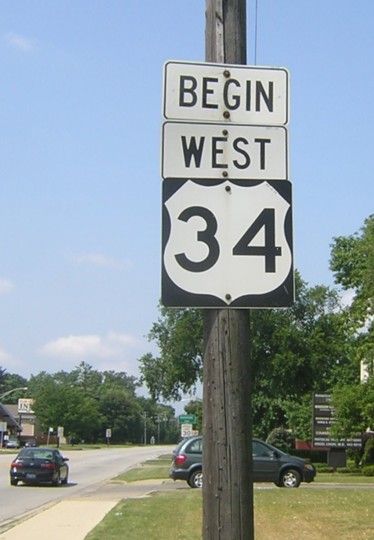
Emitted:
<point x="227" y="243"/>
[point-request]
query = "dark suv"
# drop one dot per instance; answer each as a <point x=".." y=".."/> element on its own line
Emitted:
<point x="269" y="464"/>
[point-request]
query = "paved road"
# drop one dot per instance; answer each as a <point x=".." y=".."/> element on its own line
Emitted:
<point x="87" y="469"/>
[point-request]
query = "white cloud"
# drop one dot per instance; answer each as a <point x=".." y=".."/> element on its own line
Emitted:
<point x="5" y="286"/>
<point x="347" y="297"/>
<point x="88" y="346"/>
<point x="99" y="259"/>
<point x="9" y="362"/>
<point x="19" y="42"/>
<point x="4" y="357"/>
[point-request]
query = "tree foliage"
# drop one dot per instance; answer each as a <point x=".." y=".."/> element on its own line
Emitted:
<point x="178" y="334"/>
<point x="352" y="261"/>
<point x="10" y="381"/>
<point x="86" y="402"/>
<point x="294" y="352"/>
<point x="354" y="408"/>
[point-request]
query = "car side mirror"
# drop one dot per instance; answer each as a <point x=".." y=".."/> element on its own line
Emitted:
<point x="65" y="459"/>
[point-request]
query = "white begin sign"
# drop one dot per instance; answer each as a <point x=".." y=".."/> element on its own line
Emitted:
<point x="221" y="92"/>
<point x="227" y="243"/>
<point x="192" y="150"/>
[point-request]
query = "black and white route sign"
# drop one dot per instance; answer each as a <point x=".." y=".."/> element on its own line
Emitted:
<point x="227" y="243"/>
<point x="226" y="93"/>
<point x="195" y="150"/>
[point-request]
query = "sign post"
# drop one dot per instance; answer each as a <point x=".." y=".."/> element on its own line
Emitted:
<point x="227" y="238"/>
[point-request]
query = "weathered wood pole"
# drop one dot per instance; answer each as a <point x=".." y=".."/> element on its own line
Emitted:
<point x="227" y="430"/>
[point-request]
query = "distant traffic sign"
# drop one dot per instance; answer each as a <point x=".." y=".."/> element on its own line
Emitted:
<point x="195" y="150"/>
<point x="221" y="92"/>
<point x="227" y="243"/>
<point x="187" y="419"/>
<point x="186" y="430"/>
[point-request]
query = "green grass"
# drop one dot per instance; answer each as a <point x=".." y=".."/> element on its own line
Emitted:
<point x="98" y="446"/>
<point x="280" y="514"/>
<point x="153" y="469"/>
<point x="343" y="478"/>
<point x="172" y="516"/>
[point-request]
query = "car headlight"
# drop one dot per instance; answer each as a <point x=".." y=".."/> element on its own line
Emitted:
<point x="308" y="467"/>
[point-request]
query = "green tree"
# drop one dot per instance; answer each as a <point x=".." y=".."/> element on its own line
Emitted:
<point x="2" y="379"/>
<point x="10" y="381"/>
<point x="178" y="334"/>
<point x="59" y="404"/>
<point x="121" y="412"/>
<point x="195" y="407"/>
<point x="294" y="352"/>
<point x="352" y="261"/>
<point x="354" y="408"/>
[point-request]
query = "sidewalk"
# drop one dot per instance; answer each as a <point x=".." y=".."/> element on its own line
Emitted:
<point x="73" y="519"/>
<point x="70" y="519"/>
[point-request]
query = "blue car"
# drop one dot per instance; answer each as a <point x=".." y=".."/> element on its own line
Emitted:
<point x="39" y="466"/>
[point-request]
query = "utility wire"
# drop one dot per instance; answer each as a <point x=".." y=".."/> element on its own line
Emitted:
<point x="255" y="47"/>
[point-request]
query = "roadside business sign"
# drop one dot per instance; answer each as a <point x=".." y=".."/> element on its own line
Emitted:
<point x="195" y="150"/>
<point x="323" y="420"/>
<point x="25" y="406"/>
<point x="221" y="92"/>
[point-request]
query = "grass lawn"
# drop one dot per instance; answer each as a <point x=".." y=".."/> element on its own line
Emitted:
<point x="156" y="469"/>
<point x="343" y="478"/>
<point x="280" y="514"/>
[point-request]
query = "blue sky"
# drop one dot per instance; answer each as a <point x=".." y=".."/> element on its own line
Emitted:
<point x="80" y="189"/>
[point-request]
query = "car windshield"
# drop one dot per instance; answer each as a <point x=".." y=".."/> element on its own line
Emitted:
<point x="36" y="453"/>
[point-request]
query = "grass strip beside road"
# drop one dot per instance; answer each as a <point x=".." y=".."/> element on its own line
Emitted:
<point x="280" y="514"/>
<point x="154" y="469"/>
<point x="340" y="478"/>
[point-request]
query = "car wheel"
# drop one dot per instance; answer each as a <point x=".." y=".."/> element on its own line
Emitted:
<point x="290" y="478"/>
<point x="56" y="481"/>
<point x="196" y="479"/>
<point x="13" y="482"/>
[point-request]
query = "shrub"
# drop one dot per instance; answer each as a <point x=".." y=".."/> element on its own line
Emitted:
<point x="282" y="439"/>
<point x="323" y="468"/>
<point x="349" y="470"/>
<point x="368" y="470"/>
<point x="368" y="458"/>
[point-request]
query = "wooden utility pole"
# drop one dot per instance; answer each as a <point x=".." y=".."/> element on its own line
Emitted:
<point x="227" y="454"/>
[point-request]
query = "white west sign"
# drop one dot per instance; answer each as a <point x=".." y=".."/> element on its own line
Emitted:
<point x="194" y="150"/>
<point x="221" y="92"/>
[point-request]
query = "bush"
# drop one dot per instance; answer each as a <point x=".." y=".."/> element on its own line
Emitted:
<point x="323" y="468"/>
<point x="368" y="470"/>
<point x="282" y="439"/>
<point x="349" y="470"/>
<point x="368" y="458"/>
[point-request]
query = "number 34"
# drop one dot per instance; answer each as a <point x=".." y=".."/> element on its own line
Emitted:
<point x="265" y="220"/>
